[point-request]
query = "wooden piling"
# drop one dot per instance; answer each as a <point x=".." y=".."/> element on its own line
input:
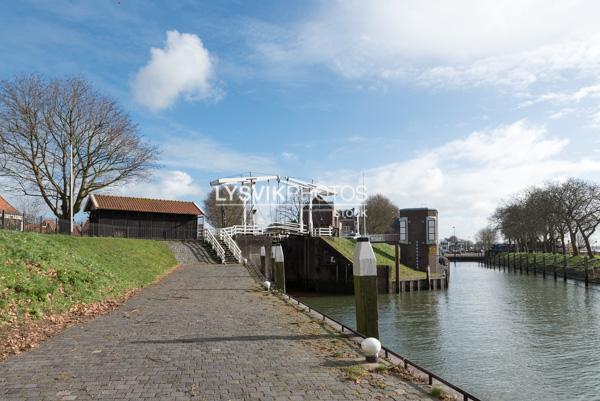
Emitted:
<point x="365" y="288"/>
<point x="544" y="266"/>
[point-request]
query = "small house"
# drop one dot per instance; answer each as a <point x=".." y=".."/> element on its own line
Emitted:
<point x="129" y="217"/>
<point x="10" y="218"/>
<point x="323" y="213"/>
<point x="418" y="236"/>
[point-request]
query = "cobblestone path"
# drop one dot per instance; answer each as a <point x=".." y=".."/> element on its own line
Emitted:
<point x="203" y="333"/>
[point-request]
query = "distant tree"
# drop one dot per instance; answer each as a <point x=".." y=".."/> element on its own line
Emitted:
<point x="539" y="217"/>
<point x="587" y="217"/>
<point x="39" y="121"/>
<point x="224" y="207"/>
<point x="381" y="214"/>
<point x="289" y="209"/>
<point x="486" y="237"/>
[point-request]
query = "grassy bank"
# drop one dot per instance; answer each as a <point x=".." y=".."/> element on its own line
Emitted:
<point x="45" y="274"/>
<point x="384" y="253"/>
<point x="537" y="259"/>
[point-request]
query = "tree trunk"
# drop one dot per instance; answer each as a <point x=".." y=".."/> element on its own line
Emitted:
<point x="573" y="236"/>
<point x="588" y="247"/>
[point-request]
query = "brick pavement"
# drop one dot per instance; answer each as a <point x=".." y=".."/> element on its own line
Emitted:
<point x="204" y="332"/>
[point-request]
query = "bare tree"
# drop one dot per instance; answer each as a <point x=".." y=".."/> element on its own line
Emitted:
<point x="587" y="216"/>
<point x="487" y="237"/>
<point x="542" y="216"/>
<point x="381" y="214"/>
<point x="289" y="209"/>
<point x="39" y="122"/>
<point x="224" y="207"/>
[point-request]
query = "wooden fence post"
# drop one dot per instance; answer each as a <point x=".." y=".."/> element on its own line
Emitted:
<point x="544" y="266"/>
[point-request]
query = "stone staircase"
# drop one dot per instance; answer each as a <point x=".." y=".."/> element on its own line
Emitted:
<point x="229" y="257"/>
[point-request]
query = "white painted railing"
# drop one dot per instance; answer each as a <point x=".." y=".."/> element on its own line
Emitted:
<point x="231" y="244"/>
<point x="287" y="228"/>
<point x="214" y="243"/>
<point x="242" y="230"/>
<point x="276" y="228"/>
<point x="322" y="232"/>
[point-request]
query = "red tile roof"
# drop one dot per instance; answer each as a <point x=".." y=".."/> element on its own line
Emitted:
<point x="6" y="207"/>
<point x="125" y="203"/>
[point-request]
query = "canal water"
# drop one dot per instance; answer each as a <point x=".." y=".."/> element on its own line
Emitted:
<point x="499" y="335"/>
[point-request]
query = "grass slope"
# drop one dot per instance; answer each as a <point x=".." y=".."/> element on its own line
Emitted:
<point x="384" y="253"/>
<point x="573" y="262"/>
<point x="44" y="274"/>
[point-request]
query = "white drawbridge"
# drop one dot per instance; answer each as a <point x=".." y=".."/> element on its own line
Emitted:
<point x="223" y="238"/>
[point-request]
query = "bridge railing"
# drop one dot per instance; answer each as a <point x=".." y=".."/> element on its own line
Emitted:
<point x="277" y="228"/>
<point x="288" y="228"/>
<point x="242" y="230"/>
<point x="322" y="232"/>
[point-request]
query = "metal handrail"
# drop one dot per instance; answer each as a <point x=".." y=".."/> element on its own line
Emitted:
<point x="212" y="240"/>
<point x="407" y="362"/>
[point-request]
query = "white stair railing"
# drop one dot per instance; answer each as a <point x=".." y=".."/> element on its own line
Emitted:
<point x="231" y="244"/>
<point x="214" y="243"/>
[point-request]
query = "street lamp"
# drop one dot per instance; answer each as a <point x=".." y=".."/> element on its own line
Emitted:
<point x="454" y="236"/>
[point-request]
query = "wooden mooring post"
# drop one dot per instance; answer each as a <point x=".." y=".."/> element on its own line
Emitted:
<point x="544" y="266"/>
<point x="564" y="267"/>
<point x="534" y="263"/>
<point x="554" y="266"/>
<point x="397" y="265"/>
<point x="263" y="262"/>
<point x="585" y="266"/>
<point x="364" y="269"/>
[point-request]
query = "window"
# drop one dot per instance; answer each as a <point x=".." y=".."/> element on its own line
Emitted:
<point x="431" y="230"/>
<point x="403" y="230"/>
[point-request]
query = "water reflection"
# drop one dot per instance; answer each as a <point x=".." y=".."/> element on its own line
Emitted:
<point x="501" y="335"/>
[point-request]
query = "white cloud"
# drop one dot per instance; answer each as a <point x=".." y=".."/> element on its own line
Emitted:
<point x="163" y="184"/>
<point x="201" y="153"/>
<point x="463" y="42"/>
<point x="289" y="156"/>
<point x="184" y="67"/>
<point x="466" y="179"/>
<point x="577" y="96"/>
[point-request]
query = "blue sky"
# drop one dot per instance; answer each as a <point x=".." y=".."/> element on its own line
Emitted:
<point x="454" y="105"/>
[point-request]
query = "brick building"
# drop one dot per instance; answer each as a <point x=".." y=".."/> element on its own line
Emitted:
<point x="418" y="233"/>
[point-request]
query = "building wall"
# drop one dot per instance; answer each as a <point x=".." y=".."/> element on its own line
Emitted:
<point x="323" y="213"/>
<point x="312" y="265"/>
<point x="250" y="246"/>
<point x="112" y="223"/>
<point x="417" y="253"/>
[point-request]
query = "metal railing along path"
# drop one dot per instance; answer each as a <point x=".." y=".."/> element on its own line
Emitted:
<point x="389" y="354"/>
